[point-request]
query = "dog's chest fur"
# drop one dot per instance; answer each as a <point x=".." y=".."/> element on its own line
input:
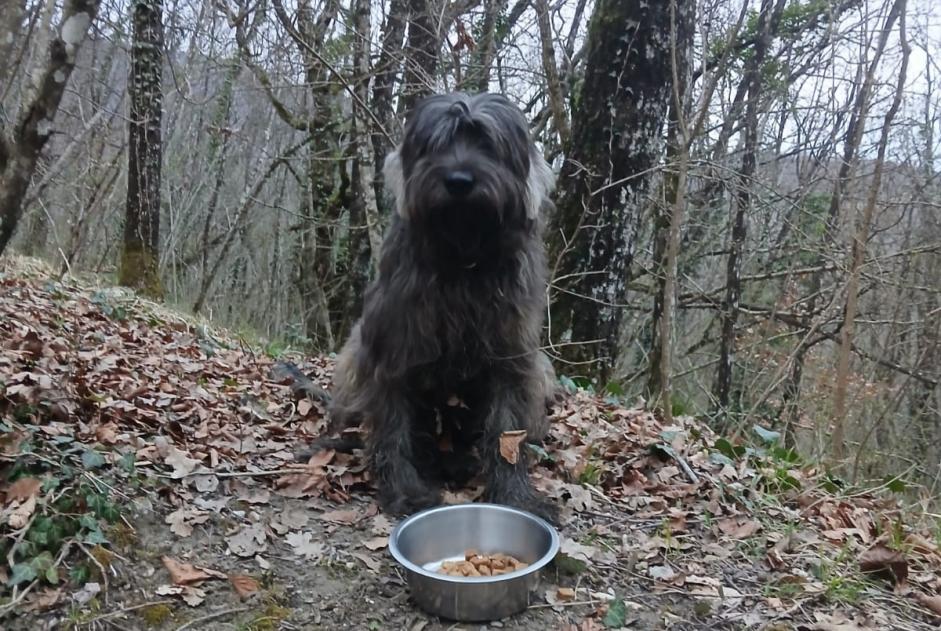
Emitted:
<point x="463" y="322"/>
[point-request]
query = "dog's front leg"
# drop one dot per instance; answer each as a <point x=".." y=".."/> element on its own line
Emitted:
<point x="392" y="457"/>
<point x="507" y="483"/>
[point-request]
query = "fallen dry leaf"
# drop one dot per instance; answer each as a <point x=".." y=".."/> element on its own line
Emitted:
<point x="304" y="546"/>
<point x="22" y="489"/>
<point x="575" y="550"/>
<point x="192" y="596"/>
<point x="182" y="520"/>
<point x="461" y="496"/>
<point x="21" y="513"/>
<point x="368" y="561"/>
<point x="376" y="543"/>
<point x="929" y="602"/>
<point x="244" y="585"/>
<point x="249" y="541"/>
<point x="182" y="464"/>
<point x="565" y="594"/>
<point x="922" y="545"/>
<point x="510" y="444"/>
<point x="775" y="556"/>
<point x="86" y="593"/>
<point x="836" y="622"/>
<point x="663" y="573"/>
<point x="738" y="528"/>
<point x="884" y="562"/>
<point x="44" y="600"/>
<point x="186" y="573"/>
<point x="179" y="524"/>
<point x="205" y="483"/>
<point x="342" y="516"/>
<point x="381" y="525"/>
<point x="321" y="458"/>
<point x="293" y="518"/>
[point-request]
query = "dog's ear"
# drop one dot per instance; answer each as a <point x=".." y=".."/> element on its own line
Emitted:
<point x="394" y="179"/>
<point x="539" y="184"/>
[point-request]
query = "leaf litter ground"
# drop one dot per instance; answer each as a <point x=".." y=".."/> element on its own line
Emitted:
<point x="147" y="481"/>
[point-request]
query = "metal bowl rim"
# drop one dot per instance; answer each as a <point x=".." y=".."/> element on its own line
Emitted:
<point x="537" y="565"/>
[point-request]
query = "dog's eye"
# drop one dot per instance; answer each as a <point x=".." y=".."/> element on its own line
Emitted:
<point x="484" y="142"/>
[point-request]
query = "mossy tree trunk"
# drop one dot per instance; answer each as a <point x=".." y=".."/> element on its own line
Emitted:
<point x="616" y="142"/>
<point x="140" y="256"/>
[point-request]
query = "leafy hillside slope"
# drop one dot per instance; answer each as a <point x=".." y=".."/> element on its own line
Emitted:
<point x="147" y="481"/>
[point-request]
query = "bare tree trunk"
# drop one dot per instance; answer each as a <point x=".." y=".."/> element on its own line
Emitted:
<point x="615" y="145"/>
<point x="478" y="72"/>
<point x="79" y="224"/>
<point x="553" y="85"/>
<point x="324" y="200"/>
<point x="385" y="71"/>
<point x="218" y="148"/>
<point x="10" y="25"/>
<point x="365" y="226"/>
<point x="858" y="251"/>
<point x="733" y="285"/>
<point x="364" y="189"/>
<point x="238" y="225"/>
<point x="669" y="222"/>
<point x="141" y="254"/>
<point x="21" y="146"/>
<point x="851" y="143"/>
<point x="421" y="56"/>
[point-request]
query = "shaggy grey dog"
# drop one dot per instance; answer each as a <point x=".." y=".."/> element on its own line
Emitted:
<point x="448" y="341"/>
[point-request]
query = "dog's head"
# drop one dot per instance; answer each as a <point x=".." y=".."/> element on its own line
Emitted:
<point x="468" y="161"/>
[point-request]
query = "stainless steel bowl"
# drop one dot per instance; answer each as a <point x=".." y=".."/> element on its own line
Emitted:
<point x="423" y="541"/>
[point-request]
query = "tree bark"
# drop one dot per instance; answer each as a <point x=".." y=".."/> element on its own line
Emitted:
<point x="365" y="227"/>
<point x="478" y="73"/>
<point x="21" y="147"/>
<point x="386" y="69"/>
<point x="549" y="67"/>
<point x="852" y="140"/>
<point x="858" y="249"/>
<point x="218" y="148"/>
<point x="421" y="55"/>
<point x="615" y="145"/>
<point x="141" y="253"/>
<point x="670" y="213"/>
<point x="722" y="390"/>
<point x="11" y="23"/>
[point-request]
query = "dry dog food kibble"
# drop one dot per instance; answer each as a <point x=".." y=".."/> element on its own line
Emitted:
<point x="476" y="564"/>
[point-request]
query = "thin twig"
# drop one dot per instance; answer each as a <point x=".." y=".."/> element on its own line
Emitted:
<point x="570" y="604"/>
<point x="130" y="608"/>
<point x="101" y="568"/>
<point x="237" y="474"/>
<point x="212" y="616"/>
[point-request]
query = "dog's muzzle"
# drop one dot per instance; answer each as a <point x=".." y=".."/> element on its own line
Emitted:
<point x="459" y="182"/>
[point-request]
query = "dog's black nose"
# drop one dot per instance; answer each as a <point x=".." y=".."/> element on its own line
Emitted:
<point x="459" y="183"/>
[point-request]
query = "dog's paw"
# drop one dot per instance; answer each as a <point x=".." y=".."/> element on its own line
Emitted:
<point x="406" y="502"/>
<point x="530" y="502"/>
<point x="543" y="508"/>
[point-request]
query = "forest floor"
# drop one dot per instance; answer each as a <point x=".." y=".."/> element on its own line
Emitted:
<point x="147" y="481"/>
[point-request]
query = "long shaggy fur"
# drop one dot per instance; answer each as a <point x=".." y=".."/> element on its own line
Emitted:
<point x="455" y="311"/>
